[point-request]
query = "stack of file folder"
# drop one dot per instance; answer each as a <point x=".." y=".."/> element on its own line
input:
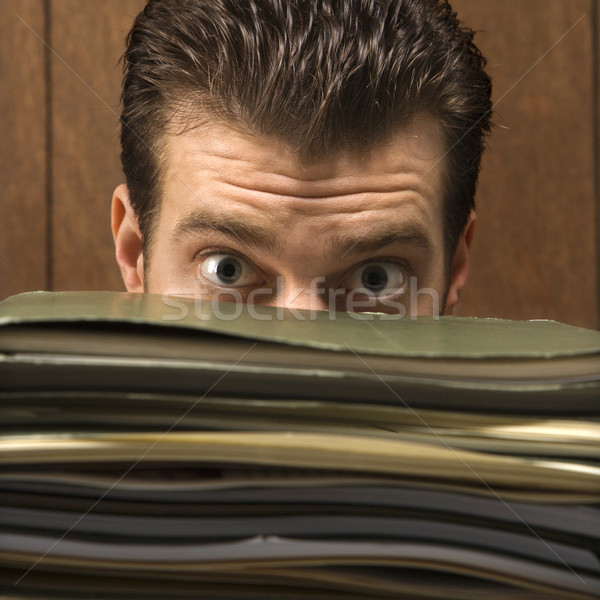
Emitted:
<point x="153" y="447"/>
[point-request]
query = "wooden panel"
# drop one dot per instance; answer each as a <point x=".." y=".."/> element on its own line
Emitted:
<point x="89" y="39"/>
<point x="22" y="148"/>
<point x="534" y="253"/>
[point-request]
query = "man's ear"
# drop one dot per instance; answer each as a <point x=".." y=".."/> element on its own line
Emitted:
<point x="128" y="240"/>
<point x="459" y="267"/>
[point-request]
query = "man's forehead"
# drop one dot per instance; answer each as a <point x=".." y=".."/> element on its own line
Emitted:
<point x="255" y="189"/>
<point x="416" y="152"/>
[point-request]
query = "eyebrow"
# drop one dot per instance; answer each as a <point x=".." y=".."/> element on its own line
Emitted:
<point x="371" y="241"/>
<point x="235" y="228"/>
<point x="338" y="246"/>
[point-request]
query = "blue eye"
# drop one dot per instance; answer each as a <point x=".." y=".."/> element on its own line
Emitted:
<point x="377" y="278"/>
<point x="229" y="270"/>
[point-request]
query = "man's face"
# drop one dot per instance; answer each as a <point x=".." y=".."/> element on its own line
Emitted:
<point x="242" y="219"/>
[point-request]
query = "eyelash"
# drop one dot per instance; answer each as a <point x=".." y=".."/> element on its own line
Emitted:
<point x="405" y="265"/>
<point x="394" y="260"/>
<point x="199" y="256"/>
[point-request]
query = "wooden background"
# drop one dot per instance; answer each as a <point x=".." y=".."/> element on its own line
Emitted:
<point x="538" y="229"/>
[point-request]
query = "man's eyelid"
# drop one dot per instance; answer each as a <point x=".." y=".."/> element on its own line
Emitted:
<point x="402" y="263"/>
<point x="214" y="250"/>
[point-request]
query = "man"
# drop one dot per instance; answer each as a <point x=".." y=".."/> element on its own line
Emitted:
<point x="302" y="153"/>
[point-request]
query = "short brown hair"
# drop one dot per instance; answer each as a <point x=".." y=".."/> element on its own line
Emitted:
<point x="321" y="75"/>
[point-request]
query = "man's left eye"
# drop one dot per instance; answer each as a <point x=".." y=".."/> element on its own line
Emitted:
<point x="228" y="270"/>
<point x="377" y="278"/>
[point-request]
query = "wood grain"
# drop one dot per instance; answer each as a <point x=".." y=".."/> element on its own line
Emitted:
<point x="88" y="39"/>
<point x="22" y="148"/>
<point x="534" y="253"/>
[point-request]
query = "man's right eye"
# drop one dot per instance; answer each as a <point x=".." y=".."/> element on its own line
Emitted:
<point x="229" y="270"/>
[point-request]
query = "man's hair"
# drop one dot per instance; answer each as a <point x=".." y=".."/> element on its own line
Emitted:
<point x="320" y="75"/>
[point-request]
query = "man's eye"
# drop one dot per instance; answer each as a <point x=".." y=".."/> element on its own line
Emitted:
<point x="229" y="270"/>
<point x="377" y="278"/>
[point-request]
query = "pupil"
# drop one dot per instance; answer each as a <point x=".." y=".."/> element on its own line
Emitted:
<point x="229" y="271"/>
<point x="374" y="278"/>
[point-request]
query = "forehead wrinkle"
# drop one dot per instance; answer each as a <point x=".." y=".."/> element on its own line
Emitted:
<point x="408" y="234"/>
<point x="235" y="228"/>
<point x="325" y="189"/>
